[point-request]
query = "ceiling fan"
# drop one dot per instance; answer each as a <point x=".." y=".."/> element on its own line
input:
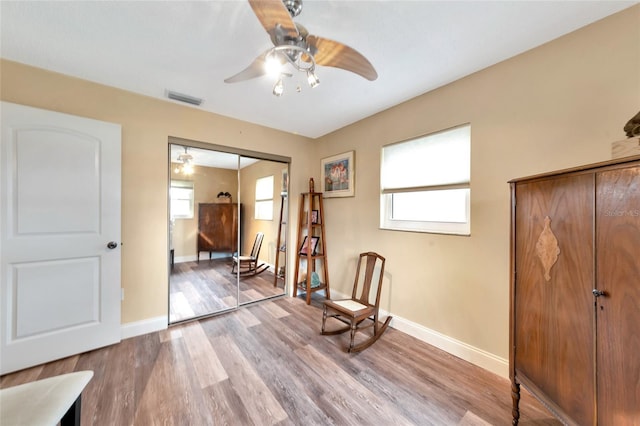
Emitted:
<point x="293" y="44"/>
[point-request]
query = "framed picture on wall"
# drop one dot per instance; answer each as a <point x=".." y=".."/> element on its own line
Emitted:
<point x="306" y="245"/>
<point x="337" y="175"/>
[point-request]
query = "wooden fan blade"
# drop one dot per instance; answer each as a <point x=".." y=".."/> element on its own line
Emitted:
<point x="255" y="69"/>
<point x="274" y="17"/>
<point x="331" y="53"/>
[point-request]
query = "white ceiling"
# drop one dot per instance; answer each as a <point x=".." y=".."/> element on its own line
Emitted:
<point x="149" y="47"/>
<point x="210" y="158"/>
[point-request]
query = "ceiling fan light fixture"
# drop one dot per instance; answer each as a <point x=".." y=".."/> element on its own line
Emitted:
<point x="312" y="79"/>
<point x="187" y="169"/>
<point x="186" y="160"/>
<point x="272" y="65"/>
<point x="278" y="88"/>
<point x="295" y="47"/>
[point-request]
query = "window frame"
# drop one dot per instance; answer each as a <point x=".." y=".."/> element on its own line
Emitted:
<point x="264" y="199"/>
<point x="182" y="184"/>
<point x="387" y="222"/>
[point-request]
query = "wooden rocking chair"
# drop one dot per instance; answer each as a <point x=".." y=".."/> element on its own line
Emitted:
<point x="358" y="309"/>
<point x="248" y="265"/>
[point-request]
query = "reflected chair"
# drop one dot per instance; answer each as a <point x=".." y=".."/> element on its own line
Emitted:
<point x="359" y="312"/>
<point x="248" y="265"/>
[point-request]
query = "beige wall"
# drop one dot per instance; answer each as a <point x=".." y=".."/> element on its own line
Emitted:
<point x="556" y="106"/>
<point x="553" y="107"/>
<point x="146" y="126"/>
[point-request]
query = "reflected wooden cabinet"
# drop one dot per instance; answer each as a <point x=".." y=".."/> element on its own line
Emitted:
<point x="217" y="228"/>
<point x="575" y="292"/>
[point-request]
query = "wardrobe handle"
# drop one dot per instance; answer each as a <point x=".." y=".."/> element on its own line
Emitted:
<point x="598" y="293"/>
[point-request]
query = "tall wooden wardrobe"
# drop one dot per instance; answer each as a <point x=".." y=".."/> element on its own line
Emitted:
<point x="575" y="292"/>
<point x="217" y="228"/>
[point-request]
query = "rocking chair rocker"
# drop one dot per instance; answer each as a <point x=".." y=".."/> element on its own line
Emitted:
<point x="248" y="265"/>
<point x="358" y="309"/>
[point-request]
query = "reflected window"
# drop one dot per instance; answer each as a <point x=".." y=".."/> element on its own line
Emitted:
<point x="264" y="198"/>
<point x="181" y="195"/>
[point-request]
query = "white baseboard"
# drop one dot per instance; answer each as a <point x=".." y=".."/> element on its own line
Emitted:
<point x="138" y="328"/>
<point x="182" y="259"/>
<point x="476" y="356"/>
<point x="203" y="256"/>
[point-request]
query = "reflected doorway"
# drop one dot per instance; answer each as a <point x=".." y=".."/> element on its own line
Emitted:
<point x="219" y="200"/>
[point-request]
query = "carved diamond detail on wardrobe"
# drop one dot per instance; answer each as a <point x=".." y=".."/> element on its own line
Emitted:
<point x="547" y="248"/>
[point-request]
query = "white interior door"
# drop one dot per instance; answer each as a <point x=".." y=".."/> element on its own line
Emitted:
<point x="59" y="274"/>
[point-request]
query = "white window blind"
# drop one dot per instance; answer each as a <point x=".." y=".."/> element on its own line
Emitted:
<point x="264" y="198"/>
<point x="425" y="183"/>
<point x="181" y="199"/>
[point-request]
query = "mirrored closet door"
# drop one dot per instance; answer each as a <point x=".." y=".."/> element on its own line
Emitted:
<point x="226" y="229"/>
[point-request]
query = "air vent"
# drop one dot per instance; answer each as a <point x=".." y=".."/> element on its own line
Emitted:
<point x="184" y="98"/>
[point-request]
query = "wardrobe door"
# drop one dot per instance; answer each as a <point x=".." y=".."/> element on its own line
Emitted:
<point x="217" y="227"/>
<point x="553" y="314"/>
<point x="618" y="309"/>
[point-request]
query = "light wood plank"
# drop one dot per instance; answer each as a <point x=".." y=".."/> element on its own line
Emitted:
<point x="247" y="318"/>
<point x="471" y="419"/>
<point x="259" y="402"/>
<point x="205" y="361"/>
<point x="249" y="295"/>
<point x="356" y="400"/>
<point x="180" y="307"/>
<point x="275" y="310"/>
<point x="172" y="394"/>
<point x="170" y="334"/>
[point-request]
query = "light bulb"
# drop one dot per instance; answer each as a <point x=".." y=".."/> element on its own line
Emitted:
<point x="312" y="78"/>
<point x="272" y="65"/>
<point x="278" y="88"/>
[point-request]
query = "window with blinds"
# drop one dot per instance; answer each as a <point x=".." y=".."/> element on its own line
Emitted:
<point x="425" y="183"/>
<point x="264" y="198"/>
<point x="181" y="196"/>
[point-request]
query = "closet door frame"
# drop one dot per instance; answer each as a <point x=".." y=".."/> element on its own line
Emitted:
<point x="286" y="162"/>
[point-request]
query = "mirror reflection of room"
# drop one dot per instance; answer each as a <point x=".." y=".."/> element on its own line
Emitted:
<point x="219" y="203"/>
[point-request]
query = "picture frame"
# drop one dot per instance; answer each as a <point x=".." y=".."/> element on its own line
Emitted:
<point x="337" y="175"/>
<point x="305" y="245"/>
<point x="314" y="217"/>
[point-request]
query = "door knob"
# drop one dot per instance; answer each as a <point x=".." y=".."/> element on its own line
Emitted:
<point x="598" y="293"/>
<point x="112" y="244"/>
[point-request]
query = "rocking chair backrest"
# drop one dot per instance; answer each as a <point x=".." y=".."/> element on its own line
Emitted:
<point x="257" y="244"/>
<point x="372" y="275"/>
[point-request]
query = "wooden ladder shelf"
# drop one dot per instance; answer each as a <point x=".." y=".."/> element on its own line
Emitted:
<point x="311" y="247"/>
<point x="280" y="245"/>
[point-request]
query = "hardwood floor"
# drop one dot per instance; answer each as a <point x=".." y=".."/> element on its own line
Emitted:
<point x="267" y="364"/>
<point x="208" y="286"/>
